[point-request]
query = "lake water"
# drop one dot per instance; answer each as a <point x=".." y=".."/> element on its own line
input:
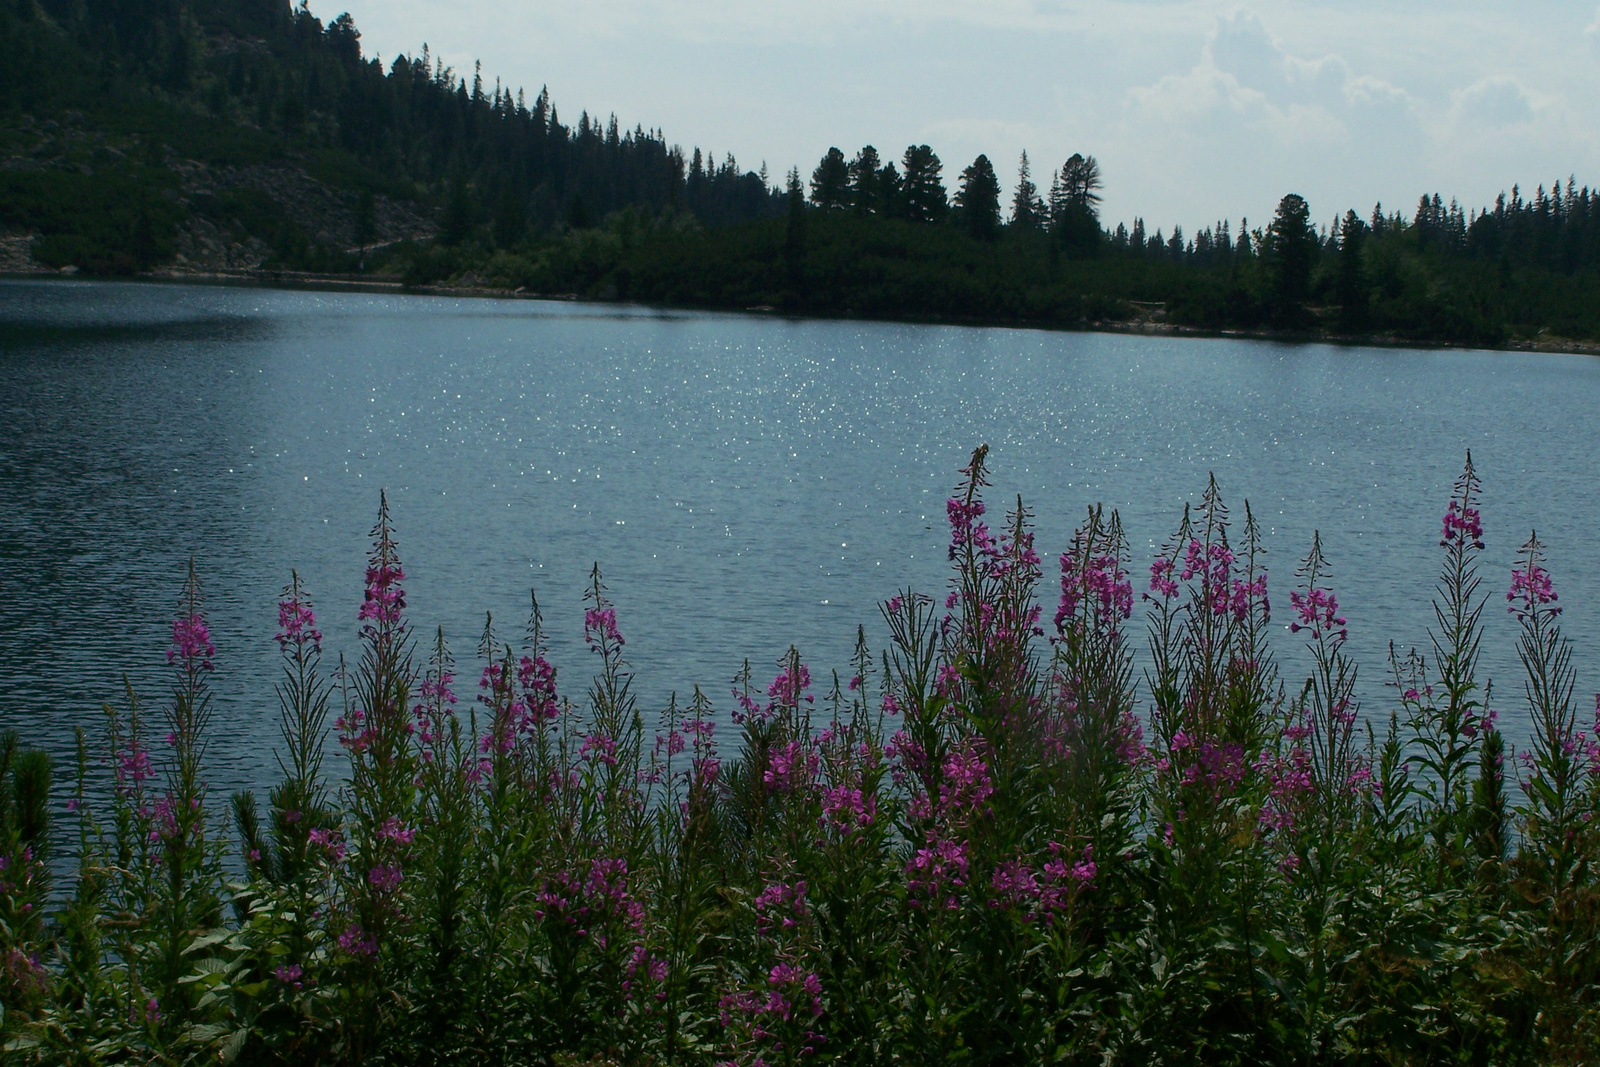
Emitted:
<point x="745" y="482"/>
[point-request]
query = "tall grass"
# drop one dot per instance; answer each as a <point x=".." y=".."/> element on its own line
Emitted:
<point x="995" y="841"/>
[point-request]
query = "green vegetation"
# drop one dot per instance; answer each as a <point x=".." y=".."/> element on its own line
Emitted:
<point x="975" y="846"/>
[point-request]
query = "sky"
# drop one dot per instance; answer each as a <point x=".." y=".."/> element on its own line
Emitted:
<point x="1196" y="110"/>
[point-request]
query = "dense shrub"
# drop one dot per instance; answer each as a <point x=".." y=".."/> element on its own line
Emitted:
<point x="990" y="843"/>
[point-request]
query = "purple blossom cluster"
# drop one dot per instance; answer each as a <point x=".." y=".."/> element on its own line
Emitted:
<point x="791" y="767"/>
<point x="191" y="648"/>
<point x="1047" y="895"/>
<point x="384" y="601"/>
<point x="1317" y="610"/>
<point x="593" y="903"/>
<point x="937" y="873"/>
<point x="297" y="624"/>
<point x="1462" y="525"/>
<point x="600" y="627"/>
<point x="1531" y="589"/>
<point x="1101" y="582"/>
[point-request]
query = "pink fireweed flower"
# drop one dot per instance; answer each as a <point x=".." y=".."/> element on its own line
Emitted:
<point x="1317" y="611"/>
<point x="1289" y="783"/>
<point x="164" y="820"/>
<point x="936" y="873"/>
<point x="355" y="941"/>
<point x="1462" y="524"/>
<point x="788" y="974"/>
<point x="671" y="743"/>
<point x="1015" y="887"/>
<point x="538" y="680"/>
<point x="191" y="643"/>
<point x="1246" y="593"/>
<point x="330" y="841"/>
<point x="1161" y="580"/>
<point x="289" y="974"/>
<point x="133" y="764"/>
<point x="967" y="784"/>
<point x="847" y="810"/>
<point x="599" y="748"/>
<point x="392" y="830"/>
<point x="297" y="624"/>
<point x="1217" y="769"/>
<point x="1063" y="879"/>
<point x="1531" y="588"/>
<point x="385" y="879"/>
<point x="353" y="732"/>
<point x="385" y="599"/>
<point x="964" y="527"/>
<point x="788" y="692"/>
<point x="23" y="972"/>
<point x="1102" y="582"/>
<point x="790" y="767"/>
<point x="600" y="626"/>
<point x="781" y="906"/>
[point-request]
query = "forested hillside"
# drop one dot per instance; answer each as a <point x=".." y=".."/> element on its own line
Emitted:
<point x="134" y="130"/>
<point x="235" y="136"/>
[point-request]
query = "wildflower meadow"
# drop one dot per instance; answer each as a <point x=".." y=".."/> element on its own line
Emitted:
<point x="1005" y="838"/>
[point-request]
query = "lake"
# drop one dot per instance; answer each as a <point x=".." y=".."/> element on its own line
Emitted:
<point x="745" y="482"/>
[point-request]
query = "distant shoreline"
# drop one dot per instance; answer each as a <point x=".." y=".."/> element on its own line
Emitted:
<point x="292" y="280"/>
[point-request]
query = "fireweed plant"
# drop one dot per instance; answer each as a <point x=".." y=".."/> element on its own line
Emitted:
<point x="993" y="841"/>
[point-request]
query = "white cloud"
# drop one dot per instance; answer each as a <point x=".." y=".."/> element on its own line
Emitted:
<point x="1248" y="80"/>
<point x="1495" y="103"/>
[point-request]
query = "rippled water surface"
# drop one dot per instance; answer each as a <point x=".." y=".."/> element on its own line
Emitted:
<point x="745" y="482"/>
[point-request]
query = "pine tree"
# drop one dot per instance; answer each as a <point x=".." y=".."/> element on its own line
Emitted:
<point x="1074" y="206"/>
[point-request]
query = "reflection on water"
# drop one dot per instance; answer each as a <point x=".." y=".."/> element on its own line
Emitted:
<point x="744" y="482"/>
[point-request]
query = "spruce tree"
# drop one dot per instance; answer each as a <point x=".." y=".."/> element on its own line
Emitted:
<point x="365" y="226"/>
<point x="890" y="191"/>
<point x="979" y="200"/>
<point x="923" y="197"/>
<point x="1291" y="249"/>
<point x="458" y="211"/>
<point x="830" y="182"/>
<point x="1027" y="209"/>
<point x="865" y="194"/>
<point x="1354" y="290"/>
<point x="794" y="244"/>
<point x="510" y="220"/>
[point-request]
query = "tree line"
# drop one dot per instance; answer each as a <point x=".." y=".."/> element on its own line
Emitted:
<point x="522" y="198"/>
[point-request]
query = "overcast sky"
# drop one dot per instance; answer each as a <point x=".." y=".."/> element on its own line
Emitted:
<point x="1196" y="109"/>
